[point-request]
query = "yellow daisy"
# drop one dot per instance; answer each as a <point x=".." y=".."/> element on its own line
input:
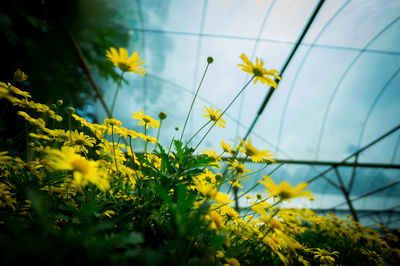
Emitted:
<point x="325" y="256"/>
<point x="284" y="190"/>
<point x="255" y="154"/>
<point x="226" y="147"/>
<point x="145" y="120"/>
<point x="259" y="72"/>
<point x="80" y="141"/>
<point x="84" y="171"/>
<point x="239" y="169"/>
<point x="124" y="62"/>
<point x="214" y="116"/>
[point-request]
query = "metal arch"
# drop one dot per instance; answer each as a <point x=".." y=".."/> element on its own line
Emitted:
<point x="357" y="152"/>
<point x="139" y="6"/>
<point x="252" y="58"/>
<point x="377" y="211"/>
<point x="367" y="119"/>
<point x="325" y="46"/>
<point x="298" y="71"/>
<point x="373" y="106"/>
<point x="300" y="68"/>
<point x="202" y="22"/>
<point x="340" y="83"/>
<point x="367" y="194"/>
<point x="396" y="148"/>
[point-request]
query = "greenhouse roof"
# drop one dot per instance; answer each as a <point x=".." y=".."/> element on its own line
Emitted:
<point x="336" y="107"/>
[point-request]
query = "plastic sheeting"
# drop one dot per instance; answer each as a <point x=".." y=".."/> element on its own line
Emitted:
<point x="339" y="92"/>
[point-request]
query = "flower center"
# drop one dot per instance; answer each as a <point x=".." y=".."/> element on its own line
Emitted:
<point x="258" y="72"/>
<point x="325" y="253"/>
<point x="284" y="195"/>
<point x="123" y="66"/>
<point x="239" y="169"/>
<point x="80" y="166"/>
<point x="213" y="117"/>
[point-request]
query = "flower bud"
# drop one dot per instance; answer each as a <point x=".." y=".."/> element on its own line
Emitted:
<point x="162" y="115"/>
<point x="53" y="106"/>
<point x="210" y="59"/>
<point x="70" y="111"/>
<point x="60" y="102"/>
<point x="176" y="128"/>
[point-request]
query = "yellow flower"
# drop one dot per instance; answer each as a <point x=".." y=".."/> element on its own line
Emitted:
<point x="259" y="72"/>
<point x="39" y="136"/>
<point x="37" y="122"/>
<point x="216" y="220"/>
<point x="145" y="120"/>
<point x="7" y="198"/>
<point x="210" y="192"/>
<point x="239" y="169"/>
<point x="80" y="140"/>
<point x="325" y="256"/>
<point x="226" y="147"/>
<point x="236" y="184"/>
<point x="112" y="122"/>
<point x="146" y="138"/>
<point x="84" y="171"/>
<point x="284" y="190"/>
<point x="212" y="154"/>
<point x="4" y="158"/>
<point x="255" y="154"/>
<point x="214" y="116"/>
<point x="124" y="62"/>
<point x="59" y="135"/>
<point x="20" y="76"/>
<point x="123" y="132"/>
<point x="19" y="92"/>
<point x="109" y="213"/>
<point x="232" y="262"/>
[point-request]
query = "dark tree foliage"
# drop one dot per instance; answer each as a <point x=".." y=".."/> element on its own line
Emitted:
<point x="34" y="36"/>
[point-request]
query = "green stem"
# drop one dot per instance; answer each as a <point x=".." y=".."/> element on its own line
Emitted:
<point x="194" y="98"/>
<point x="159" y="129"/>
<point x="170" y="145"/>
<point x="198" y="132"/>
<point x="54" y="120"/>
<point x="145" y="133"/>
<point x="27" y="140"/>
<point x="70" y="130"/>
<point x="226" y="109"/>
<point x="116" y="93"/>
<point x="112" y="139"/>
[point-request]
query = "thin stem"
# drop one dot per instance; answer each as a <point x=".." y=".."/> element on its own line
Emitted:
<point x="70" y="130"/>
<point x="116" y="93"/>
<point x="54" y="120"/>
<point x="194" y="98"/>
<point x="27" y="140"/>
<point x="198" y="132"/>
<point x="170" y="145"/>
<point x="159" y="129"/>
<point x="226" y="109"/>
<point x="145" y="133"/>
<point x="112" y="139"/>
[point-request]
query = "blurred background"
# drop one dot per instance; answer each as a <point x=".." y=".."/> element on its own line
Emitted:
<point x="333" y="121"/>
